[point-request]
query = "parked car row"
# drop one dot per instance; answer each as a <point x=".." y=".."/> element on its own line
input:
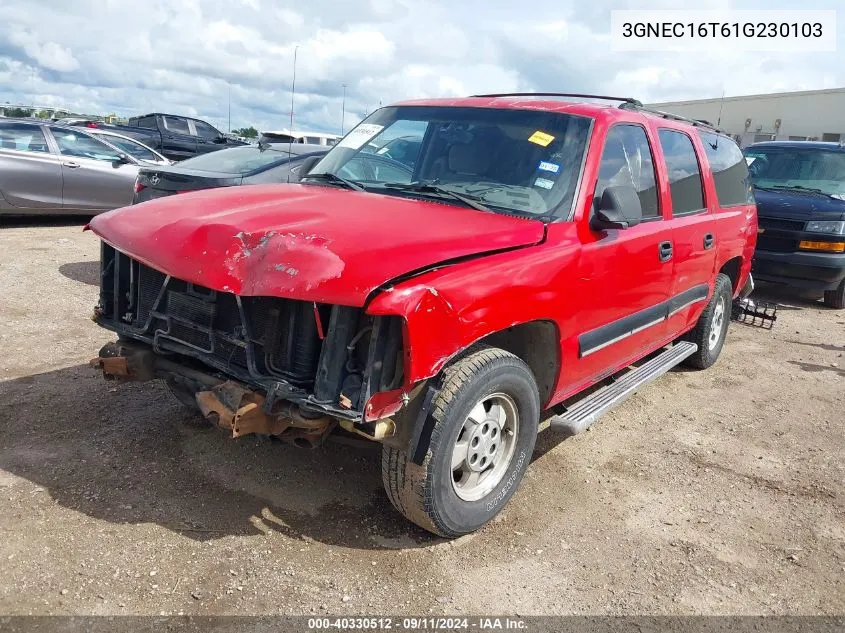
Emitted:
<point x="48" y="168"/>
<point x="799" y="186"/>
<point x="176" y="137"/>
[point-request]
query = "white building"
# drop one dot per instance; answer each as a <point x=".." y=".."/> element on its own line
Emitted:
<point x="817" y="115"/>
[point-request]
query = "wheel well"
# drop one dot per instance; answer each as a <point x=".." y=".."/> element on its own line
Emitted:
<point x="536" y="343"/>
<point x="731" y="268"/>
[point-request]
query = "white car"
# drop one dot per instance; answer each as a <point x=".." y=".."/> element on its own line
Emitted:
<point x="131" y="146"/>
<point x="312" y="138"/>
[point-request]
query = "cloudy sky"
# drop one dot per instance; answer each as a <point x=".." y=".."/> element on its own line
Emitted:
<point x="185" y="56"/>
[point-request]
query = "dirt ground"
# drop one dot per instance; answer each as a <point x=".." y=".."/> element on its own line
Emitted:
<point x="716" y="492"/>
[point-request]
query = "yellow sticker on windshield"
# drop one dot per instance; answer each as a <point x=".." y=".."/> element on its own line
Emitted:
<point x="541" y="138"/>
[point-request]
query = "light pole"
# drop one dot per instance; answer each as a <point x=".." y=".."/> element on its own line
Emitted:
<point x="293" y="87"/>
<point x="343" y="111"/>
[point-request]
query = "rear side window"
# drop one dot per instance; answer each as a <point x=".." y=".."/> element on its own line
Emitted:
<point x="684" y="173"/>
<point x="204" y="130"/>
<point x="730" y="170"/>
<point x="627" y="160"/>
<point x="130" y="147"/>
<point x="147" y="121"/>
<point x="22" y="137"/>
<point x="175" y="124"/>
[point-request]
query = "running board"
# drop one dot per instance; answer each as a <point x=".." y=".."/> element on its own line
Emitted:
<point x="581" y="415"/>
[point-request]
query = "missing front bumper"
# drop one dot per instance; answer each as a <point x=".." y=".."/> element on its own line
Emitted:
<point x="225" y="403"/>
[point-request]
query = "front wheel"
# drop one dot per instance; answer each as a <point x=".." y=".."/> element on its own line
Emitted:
<point x="835" y="298"/>
<point x="485" y="425"/>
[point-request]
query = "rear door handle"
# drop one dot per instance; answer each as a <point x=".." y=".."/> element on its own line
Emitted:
<point x="708" y="240"/>
<point x="71" y="164"/>
<point x="665" y="249"/>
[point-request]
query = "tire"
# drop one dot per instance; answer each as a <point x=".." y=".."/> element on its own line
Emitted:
<point x="710" y="331"/>
<point x="835" y="298"/>
<point x="428" y="494"/>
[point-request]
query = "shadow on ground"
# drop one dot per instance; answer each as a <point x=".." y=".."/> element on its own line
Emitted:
<point x="129" y="454"/>
<point x="788" y="298"/>
<point x="814" y="368"/>
<point x="24" y="221"/>
<point x="86" y="272"/>
<point x="825" y="346"/>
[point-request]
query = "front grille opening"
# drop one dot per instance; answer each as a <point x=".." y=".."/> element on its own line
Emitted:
<point x="342" y="358"/>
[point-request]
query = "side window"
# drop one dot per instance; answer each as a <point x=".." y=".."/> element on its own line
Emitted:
<point x="627" y="160"/>
<point x="22" y="137"/>
<point x="147" y="122"/>
<point x="130" y="147"/>
<point x="730" y="170"/>
<point x="73" y="143"/>
<point x="204" y="130"/>
<point x="176" y="125"/>
<point x="684" y="173"/>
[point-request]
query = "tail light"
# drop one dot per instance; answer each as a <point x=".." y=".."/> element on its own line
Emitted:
<point x="91" y="124"/>
<point x="139" y="187"/>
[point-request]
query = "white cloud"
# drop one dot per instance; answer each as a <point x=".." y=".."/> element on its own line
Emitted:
<point x="186" y="55"/>
<point x="49" y="55"/>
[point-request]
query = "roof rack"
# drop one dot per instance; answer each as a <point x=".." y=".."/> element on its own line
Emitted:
<point x="629" y="100"/>
<point x="670" y="116"/>
<point x="627" y="103"/>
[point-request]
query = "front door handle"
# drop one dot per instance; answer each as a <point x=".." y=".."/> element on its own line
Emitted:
<point x="665" y="250"/>
<point x="708" y="241"/>
<point x="71" y="164"/>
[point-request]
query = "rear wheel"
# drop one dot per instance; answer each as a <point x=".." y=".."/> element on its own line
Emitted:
<point x="485" y="425"/>
<point x="712" y="327"/>
<point x="835" y="298"/>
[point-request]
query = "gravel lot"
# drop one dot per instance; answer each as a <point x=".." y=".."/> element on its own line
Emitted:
<point x="717" y="492"/>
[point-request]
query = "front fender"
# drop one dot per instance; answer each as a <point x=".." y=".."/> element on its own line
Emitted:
<point x="447" y="310"/>
<point x="431" y="335"/>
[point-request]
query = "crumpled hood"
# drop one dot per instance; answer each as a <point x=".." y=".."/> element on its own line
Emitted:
<point x="305" y="242"/>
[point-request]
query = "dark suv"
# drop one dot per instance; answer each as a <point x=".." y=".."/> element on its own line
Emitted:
<point x="800" y="192"/>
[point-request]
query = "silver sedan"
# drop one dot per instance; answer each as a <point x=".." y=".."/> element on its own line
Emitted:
<point x="50" y="169"/>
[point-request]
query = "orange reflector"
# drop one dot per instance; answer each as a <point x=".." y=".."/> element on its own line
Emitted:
<point x="831" y="247"/>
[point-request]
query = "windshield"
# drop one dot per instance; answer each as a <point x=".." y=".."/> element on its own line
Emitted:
<point x="130" y="147"/>
<point x="797" y="168"/>
<point x="526" y="162"/>
<point x="237" y="160"/>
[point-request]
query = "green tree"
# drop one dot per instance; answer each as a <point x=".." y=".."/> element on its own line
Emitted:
<point x="246" y="132"/>
<point x="44" y="114"/>
<point x="18" y="112"/>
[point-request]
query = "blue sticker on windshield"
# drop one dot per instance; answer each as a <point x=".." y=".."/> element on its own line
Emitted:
<point x="544" y="183"/>
<point x="552" y="167"/>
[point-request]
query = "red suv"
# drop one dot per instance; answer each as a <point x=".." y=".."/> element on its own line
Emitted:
<point x="534" y="251"/>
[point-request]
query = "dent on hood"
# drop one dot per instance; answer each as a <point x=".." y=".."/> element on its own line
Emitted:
<point x="281" y="261"/>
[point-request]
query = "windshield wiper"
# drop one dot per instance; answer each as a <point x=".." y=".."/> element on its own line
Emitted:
<point x="800" y="188"/>
<point x="431" y="189"/>
<point x="334" y="178"/>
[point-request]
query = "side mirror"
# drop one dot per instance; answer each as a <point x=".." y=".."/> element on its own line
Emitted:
<point x="220" y="139"/>
<point x="123" y="159"/>
<point x="306" y="165"/>
<point x="618" y="208"/>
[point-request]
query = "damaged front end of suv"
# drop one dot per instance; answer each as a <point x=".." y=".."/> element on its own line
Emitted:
<point x="250" y="364"/>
